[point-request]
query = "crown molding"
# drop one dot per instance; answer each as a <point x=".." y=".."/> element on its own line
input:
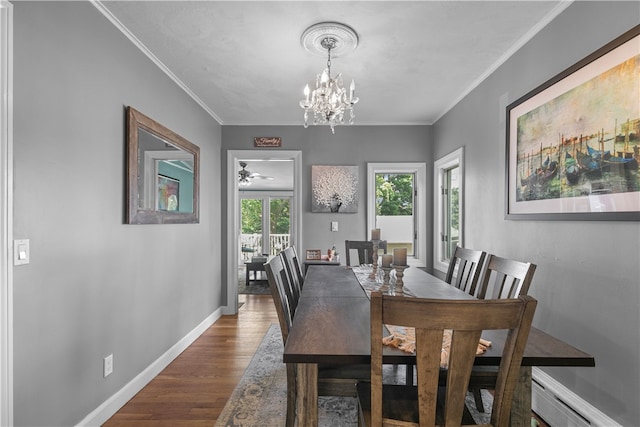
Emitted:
<point x="124" y="30"/>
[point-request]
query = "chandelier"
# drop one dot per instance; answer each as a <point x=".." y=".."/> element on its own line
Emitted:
<point x="329" y="101"/>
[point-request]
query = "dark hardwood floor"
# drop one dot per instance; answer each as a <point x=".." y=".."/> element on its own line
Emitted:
<point x="194" y="388"/>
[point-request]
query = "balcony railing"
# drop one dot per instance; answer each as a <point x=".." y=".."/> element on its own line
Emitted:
<point x="251" y="244"/>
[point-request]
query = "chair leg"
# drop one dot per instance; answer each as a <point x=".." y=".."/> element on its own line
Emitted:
<point x="477" y="396"/>
<point x="409" y="375"/>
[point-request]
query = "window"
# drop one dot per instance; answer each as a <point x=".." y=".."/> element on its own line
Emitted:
<point x="396" y="204"/>
<point x="265" y="224"/>
<point x="394" y="209"/>
<point x="448" y="194"/>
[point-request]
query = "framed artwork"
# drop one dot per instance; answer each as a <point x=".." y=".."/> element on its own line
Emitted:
<point x="573" y="143"/>
<point x="334" y="189"/>
<point x="168" y="194"/>
<point x="267" y="141"/>
<point x="314" y="254"/>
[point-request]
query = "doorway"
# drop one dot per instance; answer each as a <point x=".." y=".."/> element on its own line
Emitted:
<point x="396" y="204"/>
<point x="275" y="197"/>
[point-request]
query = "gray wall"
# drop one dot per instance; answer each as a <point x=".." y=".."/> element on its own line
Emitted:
<point x="587" y="278"/>
<point x="351" y="145"/>
<point x="94" y="285"/>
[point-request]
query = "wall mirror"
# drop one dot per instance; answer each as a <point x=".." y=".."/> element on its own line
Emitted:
<point x="162" y="173"/>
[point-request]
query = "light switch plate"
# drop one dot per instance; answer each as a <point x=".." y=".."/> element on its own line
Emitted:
<point x="334" y="225"/>
<point x="21" y="253"/>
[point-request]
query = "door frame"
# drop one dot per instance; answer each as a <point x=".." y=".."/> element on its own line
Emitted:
<point x="420" y="204"/>
<point x="233" y="211"/>
<point x="6" y="213"/>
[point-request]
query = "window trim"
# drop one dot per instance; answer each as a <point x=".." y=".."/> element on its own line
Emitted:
<point x="451" y="160"/>
<point x="420" y="205"/>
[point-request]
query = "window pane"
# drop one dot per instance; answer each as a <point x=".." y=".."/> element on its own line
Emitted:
<point x="452" y="206"/>
<point x="251" y="223"/>
<point x="279" y="224"/>
<point x="394" y="210"/>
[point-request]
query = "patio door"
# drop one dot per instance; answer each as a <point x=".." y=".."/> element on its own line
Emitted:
<point x="265" y="221"/>
<point x="395" y="195"/>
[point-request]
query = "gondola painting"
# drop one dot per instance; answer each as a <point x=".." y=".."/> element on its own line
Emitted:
<point x="573" y="143"/>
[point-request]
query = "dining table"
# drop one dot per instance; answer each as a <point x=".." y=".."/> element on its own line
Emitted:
<point x="332" y="326"/>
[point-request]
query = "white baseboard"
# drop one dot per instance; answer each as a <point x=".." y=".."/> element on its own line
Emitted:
<point x="108" y="408"/>
<point x="559" y="406"/>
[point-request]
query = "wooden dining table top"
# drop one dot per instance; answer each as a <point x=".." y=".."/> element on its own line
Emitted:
<point x="332" y="324"/>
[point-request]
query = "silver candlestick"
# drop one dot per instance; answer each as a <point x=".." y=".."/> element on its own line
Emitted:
<point x="385" y="280"/>
<point x="399" y="275"/>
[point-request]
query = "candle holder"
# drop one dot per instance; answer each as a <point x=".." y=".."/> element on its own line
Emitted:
<point x="385" y="280"/>
<point x="399" y="275"/>
<point x="374" y="256"/>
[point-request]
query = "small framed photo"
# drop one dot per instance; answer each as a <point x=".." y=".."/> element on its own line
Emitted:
<point x="314" y="254"/>
<point x="267" y="141"/>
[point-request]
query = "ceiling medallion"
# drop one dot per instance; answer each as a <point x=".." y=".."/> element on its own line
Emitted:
<point x="329" y="101"/>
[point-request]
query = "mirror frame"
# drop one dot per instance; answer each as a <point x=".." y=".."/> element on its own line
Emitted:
<point x="136" y="215"/>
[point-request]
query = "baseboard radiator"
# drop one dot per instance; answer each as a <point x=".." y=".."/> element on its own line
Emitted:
<point x="561" y="407"/>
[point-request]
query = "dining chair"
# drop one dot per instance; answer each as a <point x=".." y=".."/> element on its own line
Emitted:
<point x="506" y="278"/>
<point x="294" y="270"/>
<point x="467" y="264"/>
<point x="427" y="404"/>
<point x="503" y="278"/>
<point x="333" y="380"/>
<point x="364" y="249"/>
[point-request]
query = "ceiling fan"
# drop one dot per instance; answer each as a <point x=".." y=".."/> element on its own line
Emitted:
<point x="246" y="176"/>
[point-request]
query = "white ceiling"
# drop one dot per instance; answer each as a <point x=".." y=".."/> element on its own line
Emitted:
<point x="243" y="60"/>
<point x="244" y="63"/>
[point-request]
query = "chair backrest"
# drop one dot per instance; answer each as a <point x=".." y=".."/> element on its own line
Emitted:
<point x="280" y="291"/>
<point x="292" y="264"/>
<point x="506" y="278"/>
<point x="364" y="248"/>
<point x="467" y="319"/>
<point x="469" y="266"/>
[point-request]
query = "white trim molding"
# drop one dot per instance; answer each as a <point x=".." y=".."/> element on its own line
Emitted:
<point x="144" y="49"/>
<point x="233" y="211"/>
<point x="110" y="406"/>
<point x="451" y="160"/>
<point x="6" y="214"/>
<point x="420" y="206"/>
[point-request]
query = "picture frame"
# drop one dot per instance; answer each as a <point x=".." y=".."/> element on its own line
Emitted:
<point x="168" y="194"/>
<point x="573" y="143"/>
<point x="314" y="254"/>
<point x="267" y="141"/>
<point x="334" y="189"/>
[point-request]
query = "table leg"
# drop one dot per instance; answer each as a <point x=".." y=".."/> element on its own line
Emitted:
<point x="247" y="273"/>
<point x="307" y="395"/>
<point x="521" y="406"/>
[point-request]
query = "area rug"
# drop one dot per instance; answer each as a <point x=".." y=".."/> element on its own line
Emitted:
<point x="255" y="288"/>
<point x="260" y="399"/>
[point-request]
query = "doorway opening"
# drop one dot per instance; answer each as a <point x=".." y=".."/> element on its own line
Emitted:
<point x="396" y="204"/>
<point x="395" y="194"/>
<point x="263" y="215"/>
